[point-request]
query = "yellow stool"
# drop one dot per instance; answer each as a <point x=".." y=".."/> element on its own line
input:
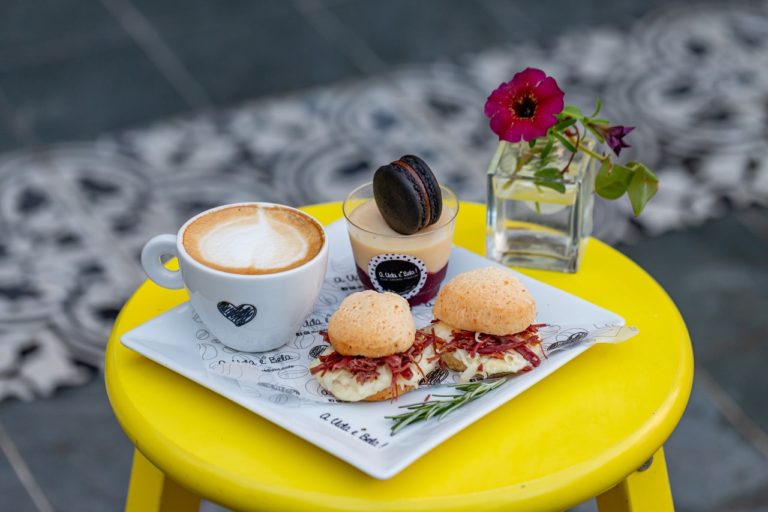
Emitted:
<point x="584" y="431"/>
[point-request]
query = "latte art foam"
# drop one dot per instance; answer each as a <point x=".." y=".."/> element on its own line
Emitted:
<point x="253" y="242"/>
<point x="252" y="239"/>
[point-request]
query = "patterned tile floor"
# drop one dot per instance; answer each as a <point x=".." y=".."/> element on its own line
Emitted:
<point x="120" y="63"/>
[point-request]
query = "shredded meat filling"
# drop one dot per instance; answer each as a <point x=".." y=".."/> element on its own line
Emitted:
<point x="365" y="369"/>
<point x="496" y="346"/>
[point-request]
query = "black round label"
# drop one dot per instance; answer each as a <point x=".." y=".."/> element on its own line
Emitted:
<point x="398" y="273"/>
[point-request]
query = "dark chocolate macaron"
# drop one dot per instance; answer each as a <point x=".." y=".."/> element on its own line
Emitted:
<point x="407" y="194"/>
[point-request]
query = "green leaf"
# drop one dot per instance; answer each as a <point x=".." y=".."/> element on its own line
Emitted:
<point x="642" y="188"/>
<point x="598" y="106"/>
<point x="573" y="111"/>
<point x="599" y="121"/>
<point x="554" y="185"/>
<point x="549" y="178"/>
<point x="565" y="123"/>
<point x="547" y="148"/>
<point x="612" y="182"/>
<point x="531" y="143"/>
<point x="564" y="142"/>
<point x="549" y="173"/>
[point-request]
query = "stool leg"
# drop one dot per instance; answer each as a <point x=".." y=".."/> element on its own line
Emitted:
<point x="151" y="491"/>
<point x="645" y="490"/>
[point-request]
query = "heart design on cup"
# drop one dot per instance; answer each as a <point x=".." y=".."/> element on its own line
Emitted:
<point x="238" y="315"/>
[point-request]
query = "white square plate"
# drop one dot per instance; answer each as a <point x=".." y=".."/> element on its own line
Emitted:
<point x="358" y="433"/>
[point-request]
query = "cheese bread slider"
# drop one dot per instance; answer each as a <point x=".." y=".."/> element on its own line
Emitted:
<point x="376" y="353"/>
<point x="484" y="323"/>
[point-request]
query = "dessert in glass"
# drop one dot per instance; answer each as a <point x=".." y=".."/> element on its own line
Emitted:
<point x="412" y="265"/>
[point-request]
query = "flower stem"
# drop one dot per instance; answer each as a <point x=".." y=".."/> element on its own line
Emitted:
<point x="591" y="153"/>
<point x="573" y="153"/>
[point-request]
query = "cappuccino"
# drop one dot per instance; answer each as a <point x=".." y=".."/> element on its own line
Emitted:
<point x="253" y="239"/>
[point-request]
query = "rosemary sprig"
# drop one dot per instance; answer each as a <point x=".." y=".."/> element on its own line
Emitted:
<point x="426" y="410"/>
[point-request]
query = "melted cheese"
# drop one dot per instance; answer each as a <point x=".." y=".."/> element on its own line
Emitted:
<point x="442" y="330"/>
<point x="511" y="363"/>
<point x="343" y="385"/>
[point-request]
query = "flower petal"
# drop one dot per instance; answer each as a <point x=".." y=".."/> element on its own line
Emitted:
<point x="545" y="121"/>
<point x="614" y="137"/>
<point x="551" y="98"/>
<point x="513" y="134"/>
<point x="530" y="76"/>
<point x="498" y="99"/>
<point x="493" y="105"/>
<point x="529" y="130"/>
<point x="550" y="106"/>
<point x="501" y="121"/>
<point x="548" y="88"/>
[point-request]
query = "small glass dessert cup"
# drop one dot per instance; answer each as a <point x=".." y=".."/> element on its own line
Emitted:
<point x="412" y="266"/>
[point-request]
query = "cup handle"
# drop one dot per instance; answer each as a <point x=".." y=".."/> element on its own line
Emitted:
<point x="159" y="246"/>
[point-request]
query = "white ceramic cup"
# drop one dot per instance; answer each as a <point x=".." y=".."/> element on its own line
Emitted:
<point x="252" y="313"/>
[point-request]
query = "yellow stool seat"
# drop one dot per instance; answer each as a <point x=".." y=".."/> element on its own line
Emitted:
<point x="581" y="432"/>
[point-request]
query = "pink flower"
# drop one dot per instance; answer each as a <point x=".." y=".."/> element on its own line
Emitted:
<point x="525" y="107"/>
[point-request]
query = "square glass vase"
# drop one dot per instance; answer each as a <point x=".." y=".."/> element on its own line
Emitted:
<point x="539" y="221"/>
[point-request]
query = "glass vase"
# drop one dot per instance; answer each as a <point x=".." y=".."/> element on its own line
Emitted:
<point x="539" y="219"/>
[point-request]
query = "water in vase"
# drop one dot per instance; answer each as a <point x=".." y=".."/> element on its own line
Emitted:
<point x="536" y="224"/>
